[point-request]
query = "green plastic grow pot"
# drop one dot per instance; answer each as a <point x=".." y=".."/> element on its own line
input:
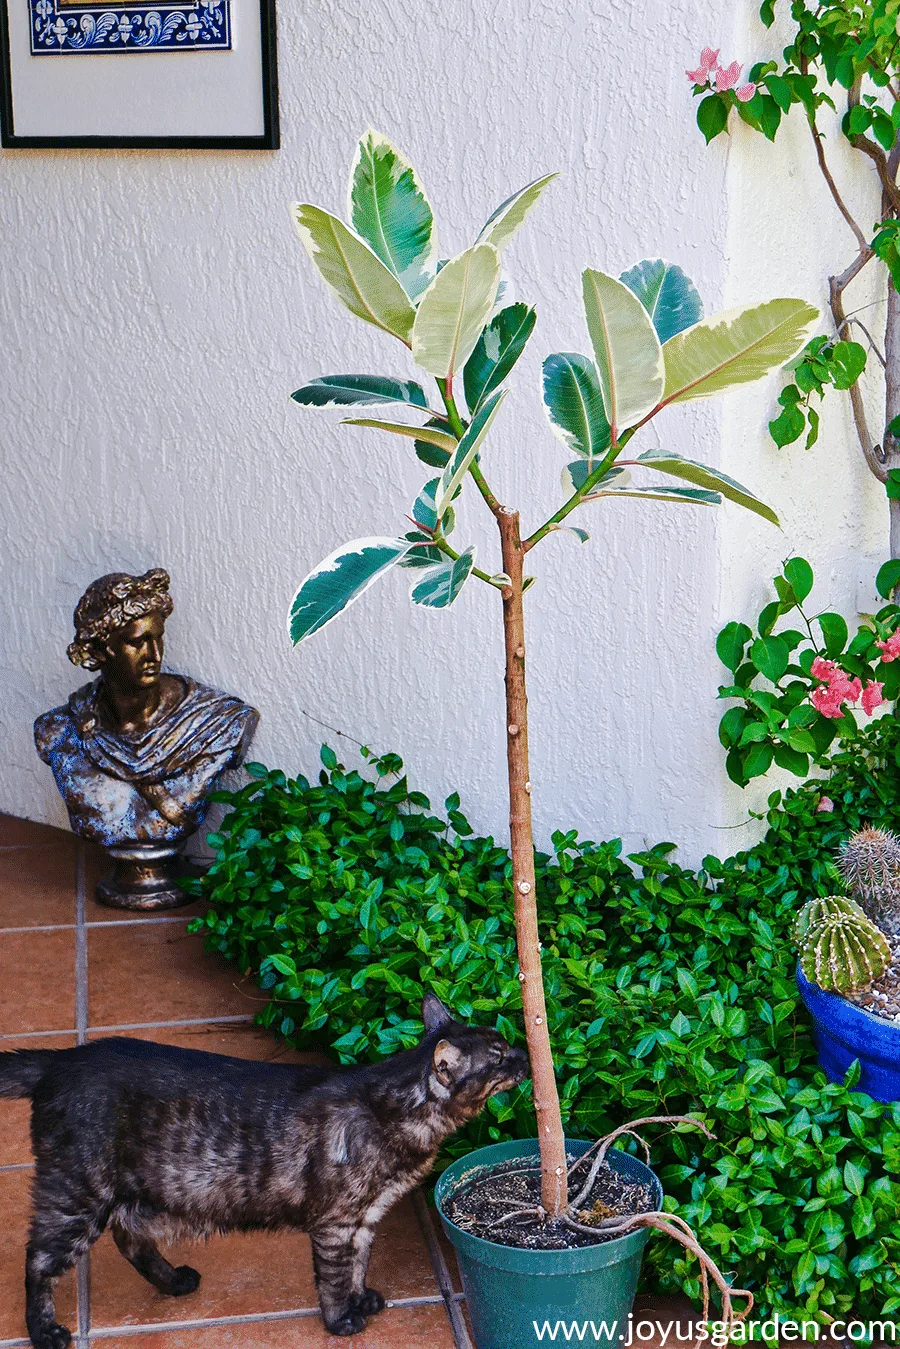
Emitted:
<point x="512" y="1293"/>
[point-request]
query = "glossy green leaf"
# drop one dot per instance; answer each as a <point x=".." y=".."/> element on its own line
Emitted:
<point x="771" y="657"/>
<point x="574" y="403"/>
<point x="628" y="352"/>
<point x="454" y="310"/>
<point x="341" y="390"/>
<point x="355" y="274"/>
<point x="388" y="209"/>
<point x="464" y="453"/>
<point x="735" y="348"/>
<point x="440" y="585"/>
<point x="442" y="439"/>
<point x="800" y="576"/>
<point x="712" y="116"/>
<point x="496" y="352"/>
<point x="339" y="581"/>
<point x="510" y="214"/>
<point x="834" y="630"/>
<point x="888" y="577"/>
<point x="668" y="295"/>
<point x="703" y="476"/>
<point x="730" y="644"/>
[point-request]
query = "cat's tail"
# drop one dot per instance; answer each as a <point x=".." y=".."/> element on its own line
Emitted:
<point x="22" y="1070"/>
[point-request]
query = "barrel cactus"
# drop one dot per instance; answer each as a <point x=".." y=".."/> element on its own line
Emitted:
<point x="869" y="862"/>
<point x="841" y="949"/>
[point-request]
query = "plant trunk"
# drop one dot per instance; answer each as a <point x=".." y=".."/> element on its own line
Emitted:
<point x="554" y="1195"/>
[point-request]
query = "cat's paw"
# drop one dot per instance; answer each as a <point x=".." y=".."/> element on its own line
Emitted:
<point x="370" y="1303"/>
<point x="186" y="1281"/>
<point x="351" y="1323"/>
<point x="54" y="1337"/>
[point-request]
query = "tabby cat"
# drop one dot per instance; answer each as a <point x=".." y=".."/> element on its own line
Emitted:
<point x="159" y="1142"/>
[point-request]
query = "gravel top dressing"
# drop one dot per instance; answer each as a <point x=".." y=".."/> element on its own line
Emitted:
<point x="882" y="997"/>
<point x="479" y="1206"/>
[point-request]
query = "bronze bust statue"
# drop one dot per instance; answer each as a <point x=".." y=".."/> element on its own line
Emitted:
<point x="137" y="752"/>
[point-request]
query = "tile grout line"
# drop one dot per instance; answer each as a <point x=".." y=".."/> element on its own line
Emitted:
<point x="244" y="1019"/>
<point x="99" y="922"/>
<point x="224" y="1322"/>
<point x="452" y="1300"/>
<point x="83" y="1268"/>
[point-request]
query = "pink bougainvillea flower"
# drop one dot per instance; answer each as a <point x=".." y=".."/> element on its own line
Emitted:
<point x="890" y="649"/>
<point x="825" y="804"/>
<point x="854" y="691"/>
<point x="871" y="697"/>
<point x="823" y="669"/>
<point x="745" y="93"/>
<point x="727" y="76"/>
<point x="826" y="701"/>
<point x="708" y="62"/>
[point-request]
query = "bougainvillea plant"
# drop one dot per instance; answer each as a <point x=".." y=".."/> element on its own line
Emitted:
<point x="801" y="684"/>
<point x="840" y="70"/>
<point x="651" y="347"/>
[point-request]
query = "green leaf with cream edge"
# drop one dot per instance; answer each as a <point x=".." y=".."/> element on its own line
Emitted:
<point x="465" y="452"/>
<point x="355" y="274"/>
<point x="628" y="352"/>
<point x="668" y="295"/>
<point x="702" y="476"/>
<point x="344" y="390"/>
<point x="442" y="439"/>
<point x="496" y="352"/>
<point x="573" y="400"/>
<point x="694" y="496"/>
<point x="388" y="209"/>
<point x="735" y="348"/>
<point x="454" y="310"/>
<point x="510" y="215"/>
<point x="339" y="581"/>
<point x="441" y="584"/>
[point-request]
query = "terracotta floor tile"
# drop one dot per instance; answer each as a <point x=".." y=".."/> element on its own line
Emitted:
<point x="15" y="1213"/>
<point x="98" y="865"/>
<point x="252" y="1272"/>
<point x="15" y="1116"/>
<point x="661" y="1321"/>
<point x="37" y="885"/>
<point x="242" y="1042"/>
<point x="395" y="1328"/>
<point x="37" y="981"/>
<point x="30" y="834"/>
<point x="160" y="972"/>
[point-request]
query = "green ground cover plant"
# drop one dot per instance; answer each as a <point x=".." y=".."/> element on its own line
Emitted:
<point x="668" y="991"/>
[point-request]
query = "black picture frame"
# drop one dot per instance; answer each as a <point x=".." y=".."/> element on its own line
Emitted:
<point x="269" y="140"/>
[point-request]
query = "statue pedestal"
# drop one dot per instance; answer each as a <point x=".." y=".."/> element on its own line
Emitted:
<point x="144" y="878"/>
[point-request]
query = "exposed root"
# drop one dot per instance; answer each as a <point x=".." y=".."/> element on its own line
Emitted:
<point x="678" y="1230"/>
<point x="602" y="1146"/>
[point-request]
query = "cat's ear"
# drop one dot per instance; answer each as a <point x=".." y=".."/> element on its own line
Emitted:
<point x="446" y="1060"/>
<point x="434" y="1013"/>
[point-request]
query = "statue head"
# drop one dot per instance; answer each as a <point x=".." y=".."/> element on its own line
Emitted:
<point x="119" y="625"/>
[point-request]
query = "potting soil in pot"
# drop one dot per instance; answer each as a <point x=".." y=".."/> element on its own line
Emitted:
<point x="479" y="1206"/>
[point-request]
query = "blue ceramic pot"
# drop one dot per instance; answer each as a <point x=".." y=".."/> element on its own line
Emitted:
<point x="845" y="1032"/>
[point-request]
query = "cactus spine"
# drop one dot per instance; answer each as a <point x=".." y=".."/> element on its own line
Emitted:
<point x="841" y="949"/>
<point x="869" y="862"/>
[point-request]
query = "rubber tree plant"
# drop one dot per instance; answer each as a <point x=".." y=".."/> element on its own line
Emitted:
<point x="842" y="63"/>
<point x="650" y="347"/>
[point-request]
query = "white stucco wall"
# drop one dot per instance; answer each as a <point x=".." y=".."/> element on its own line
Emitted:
<point x="158" y="311"/>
